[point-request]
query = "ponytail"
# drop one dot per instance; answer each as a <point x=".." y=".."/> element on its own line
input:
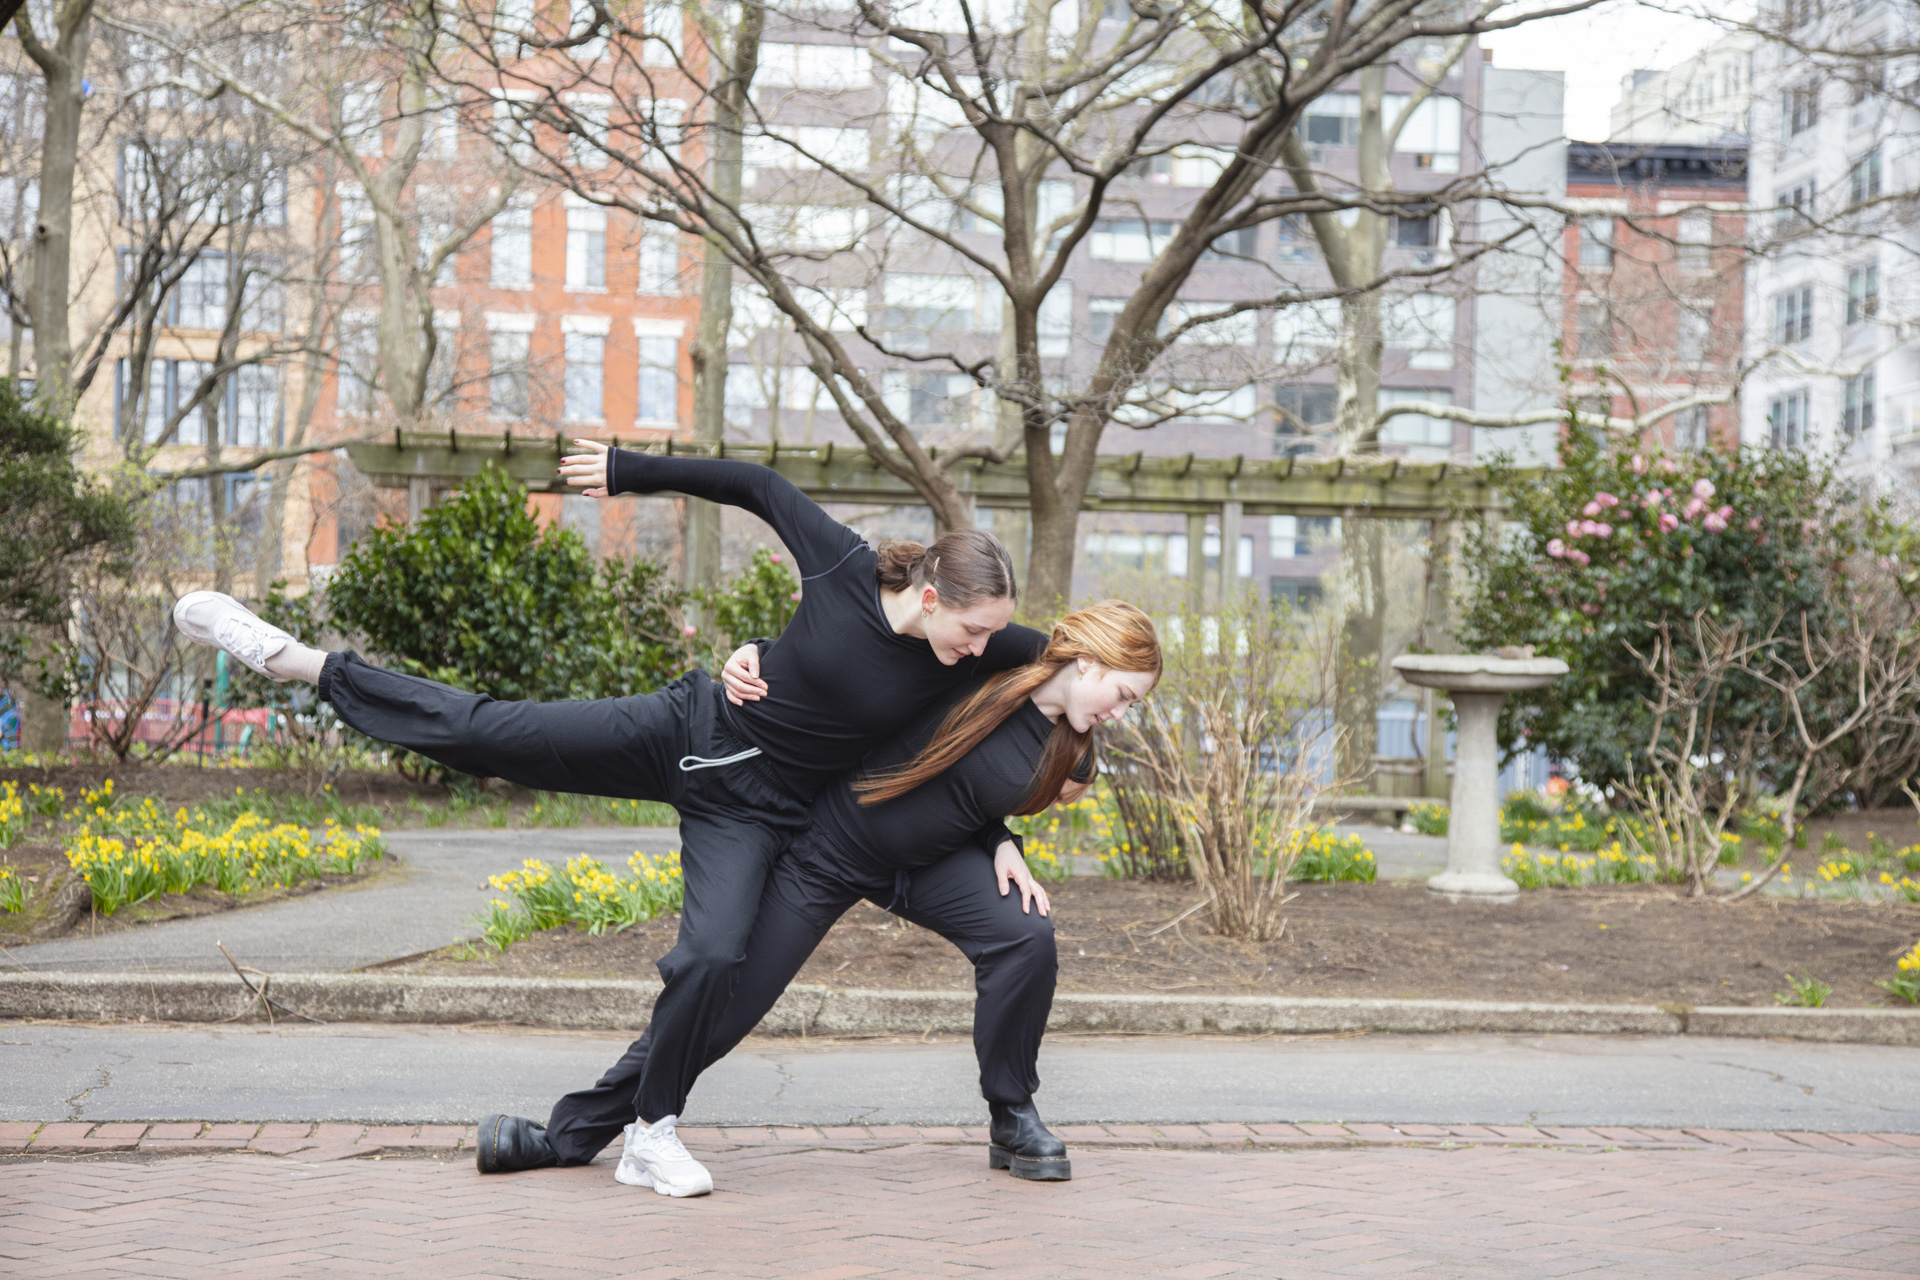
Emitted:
<point x="965" y="567"/>
<point x="1112" y="633"/>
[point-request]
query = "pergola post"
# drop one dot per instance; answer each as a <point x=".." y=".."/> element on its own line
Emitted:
<point x="1196" y="561"/>
<point x="1230" y="520"/>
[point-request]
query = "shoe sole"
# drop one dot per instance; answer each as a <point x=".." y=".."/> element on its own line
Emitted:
<point x="644" y="1178"/>
<point x="486" y="1147"/>
<point x="1032" y="1168"/>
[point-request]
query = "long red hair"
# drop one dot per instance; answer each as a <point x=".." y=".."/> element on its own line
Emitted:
<point x="1112" y="633"/>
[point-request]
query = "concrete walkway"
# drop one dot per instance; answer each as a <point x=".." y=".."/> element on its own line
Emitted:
<point x="425" y="898"/>
<point x="442" y="1075"/>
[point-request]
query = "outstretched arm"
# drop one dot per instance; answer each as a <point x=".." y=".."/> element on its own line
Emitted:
<point x="817" y="540"/>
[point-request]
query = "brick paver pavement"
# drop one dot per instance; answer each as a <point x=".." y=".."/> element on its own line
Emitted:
<point x="797" y="1204"/>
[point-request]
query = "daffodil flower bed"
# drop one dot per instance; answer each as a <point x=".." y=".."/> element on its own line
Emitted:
<point x="1905" y="982"/>
<point x="13" y="892"/>
<point x="131" y="854"/>
<point x="13" y="815"/>
<point x="1612" y="865"/>
<point x="583" y="894"/>
<point x="1327" y="857"/>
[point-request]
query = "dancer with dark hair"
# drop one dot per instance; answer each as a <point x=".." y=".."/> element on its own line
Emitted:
<point x="916" y="832"/>
<point x="878" y="636"/>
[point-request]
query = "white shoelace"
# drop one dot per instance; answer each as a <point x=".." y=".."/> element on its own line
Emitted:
<point x="246" y="638"/>
<point x="667" y="1144"/>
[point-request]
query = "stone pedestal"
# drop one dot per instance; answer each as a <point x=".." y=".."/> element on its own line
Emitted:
<point x="1477" y="684"/>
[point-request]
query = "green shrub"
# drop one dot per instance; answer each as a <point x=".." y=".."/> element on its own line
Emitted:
<point x="1595" y="557"/>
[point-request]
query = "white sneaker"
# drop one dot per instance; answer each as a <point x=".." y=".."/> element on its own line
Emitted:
<point x="653" y="1157"/>
<point x="212" y="618"/>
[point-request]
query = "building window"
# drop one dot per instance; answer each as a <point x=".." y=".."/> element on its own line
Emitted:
<point x="1793" y="316"/>
<point x="507" y="374"/>
<point x="1300" y="413"/>
<point x="1241" y="244"/>
<point x="1799" y="110"/>
<point x="1333" y="120"/>
<point x="359" y="256"/>
<point x="1863" y="293"/>
<point x="254" y="414"/>
<point x="586" y="377"/>
<point x="200" y="299"/>
<point x="1787" y="420"/>
<point x="1793" y="208"/>
<point x="1856" y="415"/>
<point x="1594" y="339"/>
<point x="660" y="262"/>
<point x="1690" y="429"/>
<point x="1297" y="242"/>
<point x="659" y="379"/>
<point x="1596" y="244"/>
<point x="1131" y="239"/>
<point x="1863" y="179"/>
<point x="1416" y="232"/>
<point x="358" y="364"/>
<point x="1101" y="313"/>
<point x="1693" y="335"/>
<point x="586" y="249"/>
<point x="1696" y="241"/>
<point x="513" y="247"/>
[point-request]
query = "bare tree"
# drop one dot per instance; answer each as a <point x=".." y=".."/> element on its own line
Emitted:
<point x="1011" y="134"/>
<point x="366" y="93"/>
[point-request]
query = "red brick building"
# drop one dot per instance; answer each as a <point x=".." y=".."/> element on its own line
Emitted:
<point x="1654" y="295"/>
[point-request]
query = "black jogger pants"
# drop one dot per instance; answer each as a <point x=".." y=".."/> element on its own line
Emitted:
<point x="1015" y="965"/>
<point x="734" y="819"/>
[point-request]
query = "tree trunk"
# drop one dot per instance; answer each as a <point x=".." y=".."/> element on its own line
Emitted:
<point x="64" y="69"/>
<point x="702" y="563"/>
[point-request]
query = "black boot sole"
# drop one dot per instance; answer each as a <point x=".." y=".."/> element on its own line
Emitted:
<point x="1033" y="1169"/>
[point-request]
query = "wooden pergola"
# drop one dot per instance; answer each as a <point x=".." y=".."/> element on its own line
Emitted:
<point x="1225" y="489"/>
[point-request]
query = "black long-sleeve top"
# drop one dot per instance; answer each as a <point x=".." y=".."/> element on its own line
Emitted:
<point x="965" y="805"/>
<point x="839" y="679"/>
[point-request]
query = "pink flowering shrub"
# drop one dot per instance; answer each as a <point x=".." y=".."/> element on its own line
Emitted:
<point x="1593" y="558"/>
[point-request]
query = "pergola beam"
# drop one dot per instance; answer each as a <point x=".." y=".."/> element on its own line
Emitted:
<point x="1391" y="488"/>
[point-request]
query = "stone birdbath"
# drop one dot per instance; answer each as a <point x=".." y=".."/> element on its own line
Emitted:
<point x="1477" y="683"/>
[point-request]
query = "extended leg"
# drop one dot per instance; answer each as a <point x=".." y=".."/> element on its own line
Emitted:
<point x="626" y="747"/>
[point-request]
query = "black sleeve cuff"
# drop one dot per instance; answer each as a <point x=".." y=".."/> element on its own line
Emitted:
<point x="623" y="471"/>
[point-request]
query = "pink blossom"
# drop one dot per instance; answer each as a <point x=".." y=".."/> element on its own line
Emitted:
<point x="1606" y="499"/>
<point x="1603" y="530"/>
<point x="1703" y="489"/>
<point x="1556" y="548"/>
<point x="1667" y="465"/>
<point x="689" y="629"/>
<point x="1669" y="522"/>
<point x="1639" y="465"/>
<point x="1652" y="500"/>
<point x="1715" y="522"/>
<point x="1587" y="528"/>
<point x="794" y="596"/>
<point x="1573" y="528"/>
<point x="1590" y="609"/>
<point x="1579" y="557"/>
<point x="1591" y="509"/>
<point x="1694" y="507"/>
<point x="775" y="557"/>
<point x="1754" y="524"/>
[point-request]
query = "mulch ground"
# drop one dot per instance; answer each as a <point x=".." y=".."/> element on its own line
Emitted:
<point x="1637" y="944"/>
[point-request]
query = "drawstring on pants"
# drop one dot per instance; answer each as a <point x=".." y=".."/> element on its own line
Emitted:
<point x="902" y="883"/>
<point x="689" y="764"/>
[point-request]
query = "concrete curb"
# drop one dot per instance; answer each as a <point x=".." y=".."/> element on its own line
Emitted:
<point x="600" y="1005"/>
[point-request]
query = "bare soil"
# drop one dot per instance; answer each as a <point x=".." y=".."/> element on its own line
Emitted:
<point x="1632" y="944"/>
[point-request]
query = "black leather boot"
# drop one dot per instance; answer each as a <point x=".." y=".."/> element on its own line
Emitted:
<point x="1018" y="1142"/>
<point x="510" y="1143"/>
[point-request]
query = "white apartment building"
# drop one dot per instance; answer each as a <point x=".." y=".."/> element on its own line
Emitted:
<point x="1832" y="306"/>
<point x="1700" y="101"/>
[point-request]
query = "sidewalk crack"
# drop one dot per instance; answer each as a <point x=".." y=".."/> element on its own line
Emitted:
<point x="75" y="1102"/>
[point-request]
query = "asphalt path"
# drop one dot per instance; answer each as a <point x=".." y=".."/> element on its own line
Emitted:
<point x="455" y="1075"/>
<point x="425" y="898"/>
